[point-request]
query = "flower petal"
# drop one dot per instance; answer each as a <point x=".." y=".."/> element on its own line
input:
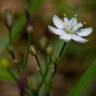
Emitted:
<point x="79" y="25"/>
<point x="66" y="20"/>
<point x="58" y="22"/>
<point x="55" y="30"/>
<point x="79" y="39"/>
<point x="73" y="22"/>
<point x="85" y="32"/>
<point x="65" y="37"/>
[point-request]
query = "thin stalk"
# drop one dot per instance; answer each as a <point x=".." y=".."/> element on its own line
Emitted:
<point x="40" y="70"/>
<point x="10" y="38"/>
<point x="55" y="66"/>
<point x="11" y="50"/>
<point x="25" y="63"/>
<point x="45" y="74"/>
<point x="12" y="74"/>
<point x="63" y="49"/>
<point x="27" y="51"/>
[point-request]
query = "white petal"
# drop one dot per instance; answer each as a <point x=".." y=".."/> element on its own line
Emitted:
<point x="65" y="37"/>
<point x="79" y="39"/>
<point x="85" y="32"/>
<point x="79" y="25"/>
<point x="58" y="22"/>
<point x="66" y="20"/>
<point x="55" y="30"/>
<point x="73" y="22"/>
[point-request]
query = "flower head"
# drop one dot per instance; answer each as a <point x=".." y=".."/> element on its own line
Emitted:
<point x="69" y="29"/>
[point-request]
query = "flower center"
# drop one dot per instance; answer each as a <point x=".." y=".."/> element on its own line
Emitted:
<point x="69" y="31"/>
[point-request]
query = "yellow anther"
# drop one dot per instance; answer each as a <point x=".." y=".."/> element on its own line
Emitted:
<point x="64" y="14"/>
<point x="75" y="15"/>
<point x="84" y="22"/>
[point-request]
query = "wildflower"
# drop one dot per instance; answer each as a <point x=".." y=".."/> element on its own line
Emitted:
<point x="70" y="29"/>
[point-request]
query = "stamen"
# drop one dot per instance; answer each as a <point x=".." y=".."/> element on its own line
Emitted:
<point x="75" y="15"/>
<point x="64" y="14"/>
<point x="84" y="22"/>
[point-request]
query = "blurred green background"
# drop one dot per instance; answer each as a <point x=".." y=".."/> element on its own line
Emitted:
<point x="77" y="57"/>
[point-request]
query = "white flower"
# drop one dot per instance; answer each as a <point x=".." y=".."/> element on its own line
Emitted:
<point x="69" y="29"/>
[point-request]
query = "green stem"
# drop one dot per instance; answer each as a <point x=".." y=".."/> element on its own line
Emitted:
<point x="10" y="38"/>
<point x="54" y="64"/>
<point x="45" y="74"/>
<point x="62" y="49"/>
<point x="11" y="52"/>
<point x="27" y="51"/>
<point x="14" y="76"/>
<point x="10" y="35"/>
<point x="40" y="70"/>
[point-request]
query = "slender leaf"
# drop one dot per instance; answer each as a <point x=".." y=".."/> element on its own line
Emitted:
<point x="84" y="81"/>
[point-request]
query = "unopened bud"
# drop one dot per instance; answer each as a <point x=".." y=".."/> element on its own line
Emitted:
<point x="49" y="50"/>
<point x="15" y="61"/>
<point x="8" y="18"/>
<point x="33" y="50"/>
<point x="53" y="70"/>
<point x="43" y="42"/>
<point x="29" y="29"/>
<point x="38" y="69"/>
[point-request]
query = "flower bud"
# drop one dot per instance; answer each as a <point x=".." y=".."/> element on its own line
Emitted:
<point x="64" y="14"/>
<point x="29" y="29"/>
<point x="33" y="50"/>
<point x="8" y="18"/>
<point x="49" y="50"/>
<point x="15" y="61"/>
<point x="43" y="42"/>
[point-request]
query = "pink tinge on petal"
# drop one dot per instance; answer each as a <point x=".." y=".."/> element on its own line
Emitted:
<point x="79" y="39"/>
<point x="58" y="22"/>
<point x="85" y="32"/>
